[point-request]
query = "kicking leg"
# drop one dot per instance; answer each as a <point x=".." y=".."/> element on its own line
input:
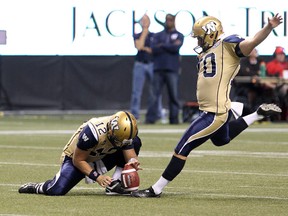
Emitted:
<point x="198" y="132"/>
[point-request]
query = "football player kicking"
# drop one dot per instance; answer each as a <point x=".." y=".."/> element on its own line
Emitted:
<point x="218" y="64"/>
<point x="96" y="147"/>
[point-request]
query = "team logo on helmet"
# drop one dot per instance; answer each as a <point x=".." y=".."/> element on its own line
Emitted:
<point x="207" y="30"/>
<point x="114" y="123"/>
<point x="122" y="128"/>
<point x="209" y="27"/>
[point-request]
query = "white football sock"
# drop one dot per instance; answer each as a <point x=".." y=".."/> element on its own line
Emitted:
<point x="159" y="185"/>
<point x="237" y="109"/>
<point x="251" y="118"/>
<point x="117" y="173"/>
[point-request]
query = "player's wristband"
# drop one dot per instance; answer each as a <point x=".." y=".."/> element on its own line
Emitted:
<point x="93" y="175"/>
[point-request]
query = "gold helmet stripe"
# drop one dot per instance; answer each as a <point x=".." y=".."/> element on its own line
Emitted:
<point x="131" y="126"/>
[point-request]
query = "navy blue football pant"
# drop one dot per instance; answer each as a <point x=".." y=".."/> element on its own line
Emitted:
<point x="211" y="126"/>
<point x="69" y="175"/>
<point x="215" y="127"/>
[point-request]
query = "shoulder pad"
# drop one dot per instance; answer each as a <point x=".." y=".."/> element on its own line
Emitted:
<point x="233" y="39"/>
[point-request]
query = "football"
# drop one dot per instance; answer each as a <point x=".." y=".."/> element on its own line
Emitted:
<point x="129" y="178"/>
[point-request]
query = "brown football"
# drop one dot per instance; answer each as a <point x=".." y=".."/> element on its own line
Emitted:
<point x="129" y="178"/>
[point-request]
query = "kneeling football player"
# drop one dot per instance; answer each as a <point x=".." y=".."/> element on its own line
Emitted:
<point x="98" y="146"/>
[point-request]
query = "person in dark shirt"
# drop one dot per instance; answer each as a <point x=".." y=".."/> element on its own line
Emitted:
<point x="143" y="69"/>
<point x="165" y="48"/>
<point x="278" y="67"/>
<point x="252" y="93"/>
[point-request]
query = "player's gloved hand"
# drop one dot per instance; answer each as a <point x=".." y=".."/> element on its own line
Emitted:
<point x="104" y="181"/>
<point x="134" y="163"/>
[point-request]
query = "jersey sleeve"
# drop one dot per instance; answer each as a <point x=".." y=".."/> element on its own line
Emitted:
<point x="87" y="139"/>
<point x="131" y="145"/>
<point x="234" y="41"/>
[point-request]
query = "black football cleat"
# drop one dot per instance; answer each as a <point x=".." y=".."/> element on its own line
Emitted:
<point x="115" y="188"/>
<point x="268" y="110"/>
<point x="30" y="188"/>
<point x="147" y="193"/>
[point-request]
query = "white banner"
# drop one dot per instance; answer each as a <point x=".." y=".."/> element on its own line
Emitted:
<point x="93" y="27"/>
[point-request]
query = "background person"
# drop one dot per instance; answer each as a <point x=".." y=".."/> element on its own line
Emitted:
<point x="278" y="64"/>
<point x="143" y="69"/>
<point x="253" y="92"/>
<point x="165" y="48"/>
<point x="276" y="68"/>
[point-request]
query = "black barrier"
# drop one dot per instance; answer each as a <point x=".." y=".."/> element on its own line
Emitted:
<point x="80" y="82"/>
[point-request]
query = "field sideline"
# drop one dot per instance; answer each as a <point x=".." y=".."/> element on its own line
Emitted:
<point x="247" y="177"/>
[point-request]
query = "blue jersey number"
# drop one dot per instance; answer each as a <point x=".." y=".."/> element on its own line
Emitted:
<point x="209" y="65"/>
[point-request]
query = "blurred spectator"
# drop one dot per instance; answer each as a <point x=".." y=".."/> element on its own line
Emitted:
<point x="165" y="47"/>
<point x="252" y="92"/>
<point x="143" y="69"/>
<point x="278" y="67"/>
<point x="278" y="64"/>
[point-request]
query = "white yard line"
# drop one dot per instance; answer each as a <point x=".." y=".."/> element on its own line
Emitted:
<point x="165" y="154"/>
<point x="193" y="194"/>
<point x="37" y="132"/>
<point x="223" y="172"/>
<point x="13" y="215"/>
<point x="159" y="170"/>
<point x="215" y="195"/>
<point x="28" y="164"/>
<point x="144" y="131"/>
<point x="30" y="147"/>
<point x="199" y="153"/>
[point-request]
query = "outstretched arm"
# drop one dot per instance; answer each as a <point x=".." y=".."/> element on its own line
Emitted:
<point x="248" y="45"/>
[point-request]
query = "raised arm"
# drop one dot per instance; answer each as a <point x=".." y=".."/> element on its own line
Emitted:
<point x="140" y="43"/>
<point x="249" y="44"/>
